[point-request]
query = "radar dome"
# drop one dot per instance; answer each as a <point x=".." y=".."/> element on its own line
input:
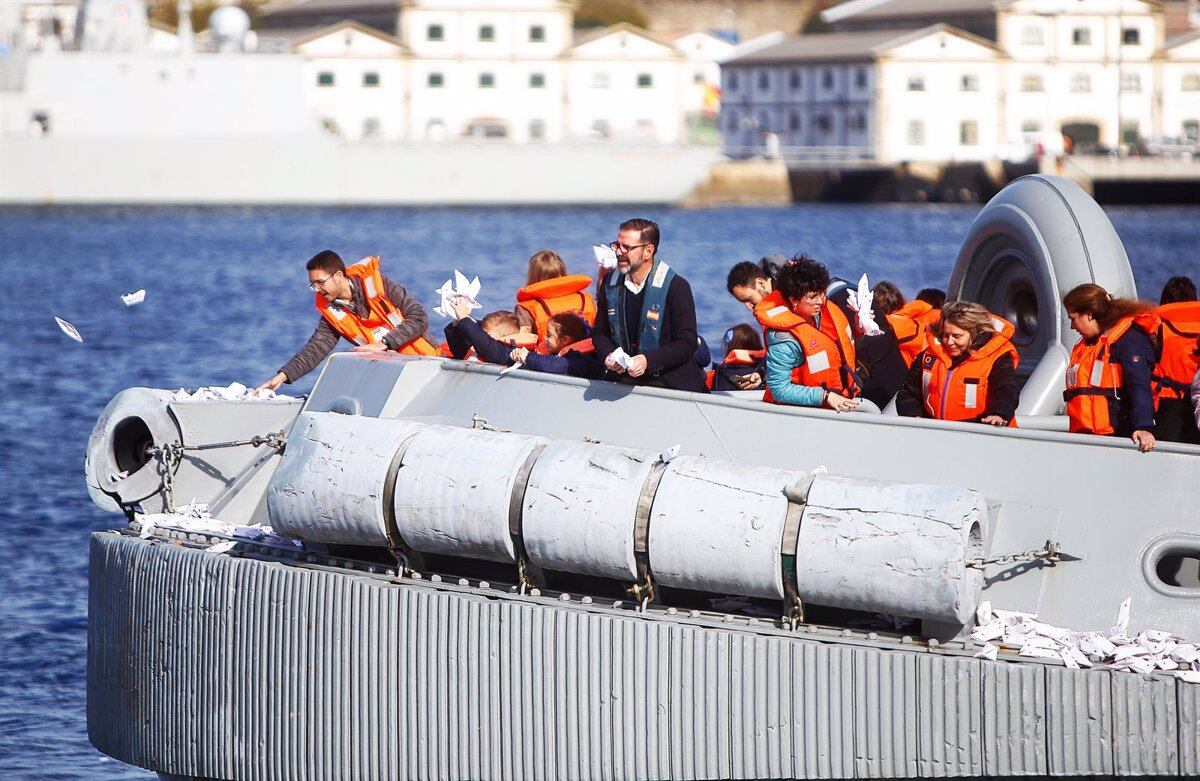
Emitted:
<point x="229" y="25"/>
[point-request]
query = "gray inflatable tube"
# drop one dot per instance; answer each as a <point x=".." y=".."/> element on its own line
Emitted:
<point x="1038" y="238"/>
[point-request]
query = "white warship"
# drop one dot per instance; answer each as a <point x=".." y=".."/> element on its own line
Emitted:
<point x="476" y="575"/>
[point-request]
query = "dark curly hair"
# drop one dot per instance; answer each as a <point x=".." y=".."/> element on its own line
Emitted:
<point x="801" y="276"/>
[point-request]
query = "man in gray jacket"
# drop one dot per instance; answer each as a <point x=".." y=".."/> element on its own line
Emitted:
<point x="361" y="305"/>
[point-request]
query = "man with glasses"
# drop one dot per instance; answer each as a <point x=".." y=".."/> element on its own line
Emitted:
<point x="360" y="304"/>
<point x="646" y="317"/>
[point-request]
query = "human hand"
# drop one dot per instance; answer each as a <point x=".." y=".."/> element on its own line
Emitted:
<point x="461" y="307"/>
<point x="373" y="347"/>
<point x="637" y="366"/>
<point x="749" y="381"/>
<point x="839" y="403"/>
<point x="994" y="420"/>
<point x="274" y="383"/>
<point x="1144" y="440"/>
<point x="519" y="354"/>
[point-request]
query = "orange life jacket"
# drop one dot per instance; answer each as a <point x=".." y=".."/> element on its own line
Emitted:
<point x="382" y="314"/>
<point x="1094" y="379"/>
<point x="773" y="313"/>
<point x="961" y="392"/>
<point x="1179" y="337"/>
<point x="922" y="312"/>
<point x="829" y="358"/>
<point x="583" y="346"/>
<point x="542" y="300"/>
<point x="911" y="335"/>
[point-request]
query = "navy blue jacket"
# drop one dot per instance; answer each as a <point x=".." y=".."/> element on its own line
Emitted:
<point x="465" y="334"/>
<point x="1133" y="410"/>
<point x="575" y="364"/>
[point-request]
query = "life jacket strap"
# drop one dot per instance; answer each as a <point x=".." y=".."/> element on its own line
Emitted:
<point x="1108" y="393"/>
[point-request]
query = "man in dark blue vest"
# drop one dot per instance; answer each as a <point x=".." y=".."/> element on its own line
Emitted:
<point x="646" y="311"/>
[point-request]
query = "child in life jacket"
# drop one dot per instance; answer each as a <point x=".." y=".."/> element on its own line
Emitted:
<point x="569" y="349"/>
<point x="1110" y="369"/>
<point x="491" y="339"/>
<point x="968" y="374"/>
<point x="744" y="366"/>
<point x="550" y="290"/>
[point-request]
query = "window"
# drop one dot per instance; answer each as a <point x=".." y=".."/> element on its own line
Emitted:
<point x="1191" y="130"/>
<point x="1081" y="36"/>
<point x="794" y="79"/>
<point x="370" y="79"/>
<point x="600" y="80"/>
<point x="827" y="79"/>
<point x="860" y="77"/>
<point x="824" y="123"/>
<point x="537" y="80"/>
<point x="1032" y="36"/>
<point x="916" y="83"/>
<point x="487" y="32"/>
<point x="916" y="133"/>
<point x="697" y="78"/>
<point x="764" y="80"/>
<point x="1031" y="126"/>
<point x="733" y="80"/>
<point x="1031" y="82"/>
<point x="764" y="123"/>
<point x="537" y="34"/>
<point x="858" y="121"/>
<point x="732" y="122"/>
<point x="1130" y="132"/>
<point x="1081" y="82"/>
<point x="324" y="79"/>
<point x="645" y="81"/>
<point x="537" y="129"/>
<point x="1191" y="82"/>
<point x="969" y="83"/>
<point x="1131" y="82"/>
<point x="435" y="80"/>
<point x="370" y="128"/>
<point x="794" y="121"/>
<point x="435" y="32"/>
<point x="1131" y="36"/>
<point x="487" y="80"/>
<point x="968" y="133"/>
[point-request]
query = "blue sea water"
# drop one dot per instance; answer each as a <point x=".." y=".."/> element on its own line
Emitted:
<point x="227" y="300"/>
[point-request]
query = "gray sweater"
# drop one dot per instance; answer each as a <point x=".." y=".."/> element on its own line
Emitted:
<point x="325" y="338"/>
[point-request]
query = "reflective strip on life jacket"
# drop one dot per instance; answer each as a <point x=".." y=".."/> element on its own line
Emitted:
<point x="1094" y="379"/>
<point x="545" y="299"/>
<point x="1179" y="339"/>
<point x="382" y="316"/>
<point x="960" y="392"/>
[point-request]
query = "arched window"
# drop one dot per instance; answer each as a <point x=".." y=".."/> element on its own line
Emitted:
<point x="1032" y="82"/>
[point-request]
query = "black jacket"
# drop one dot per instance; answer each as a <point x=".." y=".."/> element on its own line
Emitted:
<point x="672" y="364"/>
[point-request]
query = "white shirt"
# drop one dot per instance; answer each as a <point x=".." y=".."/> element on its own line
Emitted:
<point x="635" y="287"/>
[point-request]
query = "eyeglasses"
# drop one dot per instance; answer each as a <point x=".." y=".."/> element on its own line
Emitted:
<point x="316" y="286"/>
<point x="622" y="249"/>
<point x="812" y="298"/>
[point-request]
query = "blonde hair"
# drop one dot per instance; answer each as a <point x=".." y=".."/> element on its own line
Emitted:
<point x="546" y="264"/>
<point x="971" y="317"/>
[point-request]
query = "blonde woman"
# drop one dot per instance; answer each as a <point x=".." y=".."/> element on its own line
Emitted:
<point x="969" y="375"/>
<point x="549" y="291"/>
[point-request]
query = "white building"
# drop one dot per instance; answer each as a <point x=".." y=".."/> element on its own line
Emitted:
<point x="512" y="69"/>
<point x="1098" y="71"/>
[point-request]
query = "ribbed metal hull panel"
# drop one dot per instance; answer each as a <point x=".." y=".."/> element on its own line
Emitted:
<point x="224" y="667"/>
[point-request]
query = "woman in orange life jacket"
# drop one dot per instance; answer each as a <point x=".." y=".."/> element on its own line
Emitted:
<point x="743" y="366"/>
<point x="1178" y="332"/>
<point x="1109" y="372"/>
<point x="969" y="375"/>
<point x="810" y="342"/>
<point x="549" y="290"/>
<point x="907" y="321"/>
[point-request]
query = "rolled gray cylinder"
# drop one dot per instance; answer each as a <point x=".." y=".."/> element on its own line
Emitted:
<point x="454" y="491"/>
<point x="330" y="485"/>
<point x="581" y="507"/>
<point x="891" y="548"/>
<point x="718" y="526"/>
<point x="116" y="467"/>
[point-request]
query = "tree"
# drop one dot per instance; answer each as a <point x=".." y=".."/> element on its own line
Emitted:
<point x="604" y="13"/>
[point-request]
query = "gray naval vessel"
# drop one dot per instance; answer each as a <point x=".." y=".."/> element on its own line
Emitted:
<point x="518" y="576"/>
